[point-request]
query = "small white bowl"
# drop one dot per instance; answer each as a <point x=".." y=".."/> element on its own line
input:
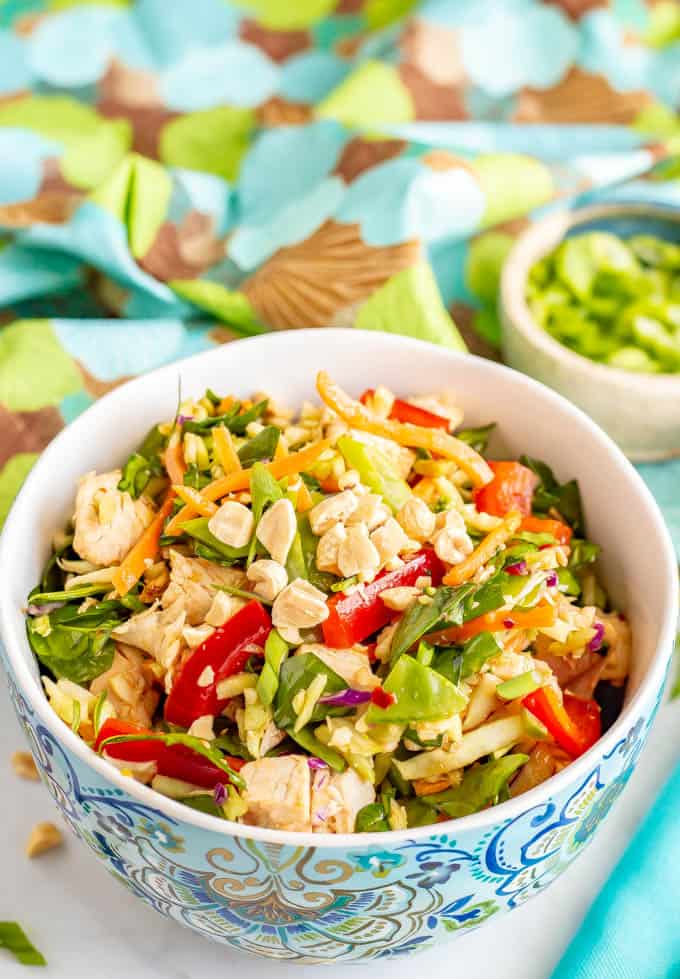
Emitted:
<point x="641" y="412"/>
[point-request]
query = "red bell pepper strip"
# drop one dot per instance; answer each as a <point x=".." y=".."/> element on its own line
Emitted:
<point x="352" y="618"/>
<point x="404" y="411"/>
<point x="539" y="525"/>
<point x="575" y="724"/>
<point x="174" y="761"/>
<point x="512" y="488"/>
<point x="226" y="652"/>
<point x="381" y="698"/>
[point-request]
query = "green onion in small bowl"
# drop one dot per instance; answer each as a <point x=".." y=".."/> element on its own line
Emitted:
<point x="590" y="305"/>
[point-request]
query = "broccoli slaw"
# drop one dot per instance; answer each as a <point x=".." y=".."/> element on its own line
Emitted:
<point x="336" y="620"/>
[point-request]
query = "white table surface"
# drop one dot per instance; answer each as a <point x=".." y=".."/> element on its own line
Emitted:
<point x="86" y="923"/>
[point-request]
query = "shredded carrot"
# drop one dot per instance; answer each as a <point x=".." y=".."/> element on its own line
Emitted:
<point x="484" y="551"/>
<point x="295" y="463"/>
<point x="225" y="451"/>
<point x="134" y="564"/>
<point x="424" y="786"/>
<point x="539" y="617"/>
<point x="194" y="499"/>
<point x="436" y="440"/>
<point x="225" y="404"/>
<point x="304" y="500"/>
<point x="281" y="451"/>
<point x="426" y="489"/>
<point x="174" y="459"/>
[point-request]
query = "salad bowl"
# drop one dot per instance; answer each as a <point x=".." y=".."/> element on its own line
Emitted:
<point x="319" y="898"/>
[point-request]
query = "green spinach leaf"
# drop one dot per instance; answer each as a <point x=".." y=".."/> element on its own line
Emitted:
<point x="296" y="674"/>
<point x="261" y="446"/>
<point x="446" y="607"/>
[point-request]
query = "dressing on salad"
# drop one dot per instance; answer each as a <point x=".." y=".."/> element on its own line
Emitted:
<point x="349" y="620"/>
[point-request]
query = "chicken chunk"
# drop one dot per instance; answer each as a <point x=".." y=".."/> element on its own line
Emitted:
<point x="194" y="580"/>
<point x="107" y="522"/>
<point x="352" y="665"/>
<point x="158" y="631"/>
<point x="278" y="792"/>
<point x="336" y="800"/>
<point x="129" y="687"/>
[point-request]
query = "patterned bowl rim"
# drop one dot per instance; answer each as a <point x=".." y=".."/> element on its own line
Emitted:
<point x="275" y="344"/>
<point x="533" y="244"/>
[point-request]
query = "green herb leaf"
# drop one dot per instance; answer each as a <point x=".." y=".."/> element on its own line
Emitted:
<point x="477" y="438"/>
<point x="480" y="787"/>
<point x="308" y="740"/>
<point x="198" y="530"/>
<point x="456" y="665"/>
<point x="14" y="939"/>
<point x="583" y="552"/>
<point x="296" y="674"/>
<point x="564" y="497"/>
<point x="418" y="814"/>
<point x="203" y="803"/>
<point x="72" y="652"/>
<point x="262" y="446"/>
<point x="264" y="490"/>
<point x="446" y="607"/>
<point x="371" y="819"/>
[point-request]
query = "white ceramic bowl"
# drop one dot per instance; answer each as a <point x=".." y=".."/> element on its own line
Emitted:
<point x="314" y="897"/>
<point x="641" y="412"/>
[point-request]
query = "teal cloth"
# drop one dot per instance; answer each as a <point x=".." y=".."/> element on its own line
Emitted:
<point x="631" y="931"/>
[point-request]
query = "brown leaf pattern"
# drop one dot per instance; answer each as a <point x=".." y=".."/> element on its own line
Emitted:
<point x="311" y="283"/>
<point x="360" y="155"/>
<point x="27" y="431"/>
<point x="277" y="45"/>
<point x="581" y="97"/>
<point x="185" y="250"/>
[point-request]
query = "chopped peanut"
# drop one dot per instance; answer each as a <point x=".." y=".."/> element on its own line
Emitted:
<point x="43" y="837"/>
<point x="24" y="766"/>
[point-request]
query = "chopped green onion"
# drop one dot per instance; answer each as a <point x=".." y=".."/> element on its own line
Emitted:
<point x="14" y="939"/>
<point x="519" y="686"/>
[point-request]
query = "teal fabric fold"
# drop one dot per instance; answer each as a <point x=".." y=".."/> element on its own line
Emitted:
<point x="632" y="930"/>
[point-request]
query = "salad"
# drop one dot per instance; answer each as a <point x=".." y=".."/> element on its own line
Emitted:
<point x="613" y="300"/>
<point x="341" y="620"/>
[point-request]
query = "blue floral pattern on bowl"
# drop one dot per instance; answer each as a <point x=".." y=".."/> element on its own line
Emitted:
<point x="321" y="904"/>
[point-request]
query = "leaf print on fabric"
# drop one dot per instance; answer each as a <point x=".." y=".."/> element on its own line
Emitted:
<point x="213" y="140"/>
<point x="184" y="250"/>
<point x="512" y="183"/>
<point x="12" y="475"/>
<point x="320" y="281"/>
<point x="278" y="45"/>
<point x="373" y="94"/>
<point x="431" y="100"/>
<point x="580" y="97"/>
<point x="35" y="371"/>
<point x="27" y="431"/>
<point x="229" y="305"/>
<point x="361" y="154"/>
<point x="50" y="207"/>
<point x="410" y="304"/>
<point x="288" y="16"/>
<point x="89" y="162"/>
<point x="149" y="195"/>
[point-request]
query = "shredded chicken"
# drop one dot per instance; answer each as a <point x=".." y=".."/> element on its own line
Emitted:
<point x="158" y="631"/>
<point x="336" y="800"/>
<point x="194" y="580"/>
<point x="278" y="792"/>
<point x="107" y="522"/>
<point x="129" y="686"/>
